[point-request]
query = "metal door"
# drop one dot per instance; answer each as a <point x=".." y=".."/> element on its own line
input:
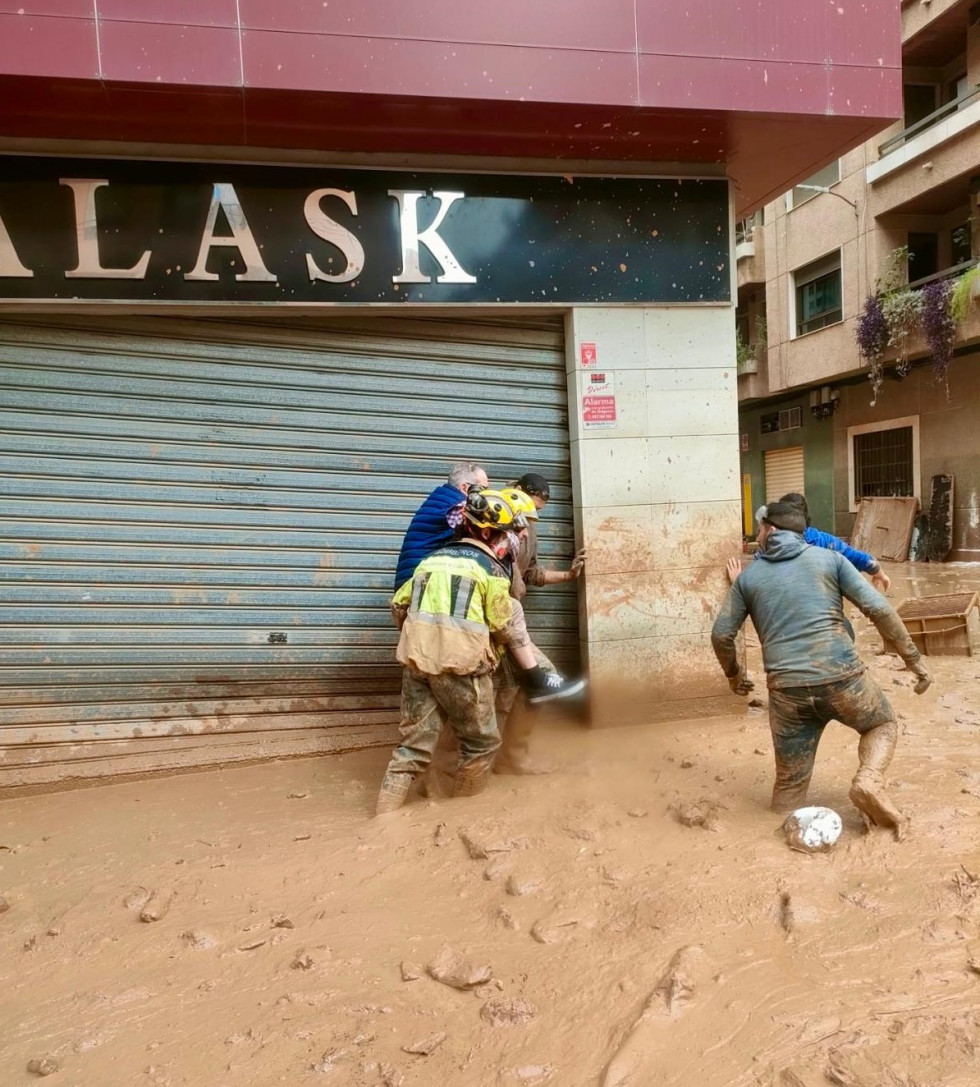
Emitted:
<point x="200" y="521"/>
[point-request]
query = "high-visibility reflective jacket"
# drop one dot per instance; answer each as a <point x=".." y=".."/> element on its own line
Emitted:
<point x="458" y="606"/>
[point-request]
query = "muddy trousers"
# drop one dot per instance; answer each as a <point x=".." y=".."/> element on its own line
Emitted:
<point x="515" y="719"/>
<point x="464" y="705"/>
<point x="797" y="718"/>
<point x="515" y="726"/>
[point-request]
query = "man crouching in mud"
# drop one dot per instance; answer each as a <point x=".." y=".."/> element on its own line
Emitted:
<point x="794" y="598"/>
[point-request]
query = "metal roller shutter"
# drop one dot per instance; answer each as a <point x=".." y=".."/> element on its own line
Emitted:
<point x="784" y="472"/>
<point x="201" y="519"/>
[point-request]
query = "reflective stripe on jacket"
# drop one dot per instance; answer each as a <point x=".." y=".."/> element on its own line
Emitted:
<point x="458" y="600"/>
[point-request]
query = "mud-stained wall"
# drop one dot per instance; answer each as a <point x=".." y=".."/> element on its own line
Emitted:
<point x="948" y="442"/>
<point x="657" y="497"/>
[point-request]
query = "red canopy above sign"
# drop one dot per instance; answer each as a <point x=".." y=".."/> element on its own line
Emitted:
<point x="773" y="90"/>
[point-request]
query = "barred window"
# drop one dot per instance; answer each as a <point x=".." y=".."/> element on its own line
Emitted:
<point x="883" y="460"/>
<point x="883" y="464"/>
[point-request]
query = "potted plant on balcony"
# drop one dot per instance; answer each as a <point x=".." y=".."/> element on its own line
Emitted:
<point x="903" y="311"/>
<point x="746" y="361"/>
<point x="959" y="304"/>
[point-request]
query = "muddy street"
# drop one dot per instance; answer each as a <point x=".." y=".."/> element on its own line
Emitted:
<point x="256" y="926"/>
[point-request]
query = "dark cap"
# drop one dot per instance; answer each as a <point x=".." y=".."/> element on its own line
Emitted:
<point x="785" y="515"/>
<point x="534" y="484"/>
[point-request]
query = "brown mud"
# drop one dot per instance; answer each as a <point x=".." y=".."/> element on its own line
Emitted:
<point x="635" y="919"/>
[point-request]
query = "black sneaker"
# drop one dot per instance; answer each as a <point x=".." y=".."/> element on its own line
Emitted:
<point x="551" y="686"/>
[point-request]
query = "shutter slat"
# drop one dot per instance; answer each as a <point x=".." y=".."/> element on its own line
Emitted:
<point x="784" y="472"/>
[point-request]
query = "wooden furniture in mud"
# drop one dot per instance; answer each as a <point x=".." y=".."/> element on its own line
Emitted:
<point x="883" y="527"/>
<point x="943" y="625"/>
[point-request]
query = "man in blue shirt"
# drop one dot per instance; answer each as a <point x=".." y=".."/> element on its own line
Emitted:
<point x="860" y="560"/>
<point x="429" y="529"/>
<point x="794" y="595"/>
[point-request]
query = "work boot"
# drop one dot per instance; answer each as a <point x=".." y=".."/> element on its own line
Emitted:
<point x="471" y="780"/>
<point x="394" y="791"/>
<point x="541" y="686"/>
<point x="875" y="750"/>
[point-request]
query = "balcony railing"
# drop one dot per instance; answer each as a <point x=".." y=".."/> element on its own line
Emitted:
<point x="927" y="122"/>
<point x="745" y="228"/>
<point x="947" y="273"/>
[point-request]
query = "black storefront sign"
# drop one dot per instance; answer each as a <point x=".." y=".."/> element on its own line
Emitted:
<point x="169" y="232"/>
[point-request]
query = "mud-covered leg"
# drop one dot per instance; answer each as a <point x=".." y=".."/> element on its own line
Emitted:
<point x="875" y="750"/>
<point x="516" y="722"/>
<point x="468" y="704"/>
<point x="795" y="736"/>
<point x="440" y="778"/>
<point x="421" y="721"/>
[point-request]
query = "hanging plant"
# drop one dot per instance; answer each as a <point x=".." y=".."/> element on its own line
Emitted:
<point x="871" y="334"/>
<point x="939" y="326"/>
<point x="895" y="276"/>
<point x="902" y="312"/>
<point x="962" y="293"/>
<point x="762" y="333"/>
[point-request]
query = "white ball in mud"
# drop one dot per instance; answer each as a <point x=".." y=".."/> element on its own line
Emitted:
<point x="812" y="830"/>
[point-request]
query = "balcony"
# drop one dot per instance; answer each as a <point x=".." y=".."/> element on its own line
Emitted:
<point x="933" y="130"/>
<point x="929" y="163"/>
<point x="751" y="344"/>
<point x="750" y="251"/>
<point x="947" y="273"/>
<point x="939" y="141"/>
<point x="967" y="331"/>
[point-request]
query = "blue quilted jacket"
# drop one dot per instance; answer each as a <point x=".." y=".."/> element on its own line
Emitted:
<point x="427" y="531"/>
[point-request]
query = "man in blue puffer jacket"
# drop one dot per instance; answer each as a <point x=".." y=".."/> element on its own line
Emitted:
<point x="429" y="529"/>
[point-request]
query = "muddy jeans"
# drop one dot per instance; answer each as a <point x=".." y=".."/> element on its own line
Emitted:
<point x="464" y="704"/>
<point x="797" y="718"/>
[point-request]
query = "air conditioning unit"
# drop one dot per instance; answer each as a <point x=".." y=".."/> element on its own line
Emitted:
<point x="790" y="418"/>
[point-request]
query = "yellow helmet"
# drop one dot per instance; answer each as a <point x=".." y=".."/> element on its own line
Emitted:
<point x="520" y="502"/>
<point x="490" y="509"/>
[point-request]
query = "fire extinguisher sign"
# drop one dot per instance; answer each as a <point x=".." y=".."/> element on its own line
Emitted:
<point x="587" y="356"/>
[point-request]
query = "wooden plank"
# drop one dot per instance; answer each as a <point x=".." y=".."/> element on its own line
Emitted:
<point x="883" y="527"/>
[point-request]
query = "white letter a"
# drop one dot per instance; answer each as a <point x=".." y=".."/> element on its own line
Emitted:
<point x="225" y="198"/>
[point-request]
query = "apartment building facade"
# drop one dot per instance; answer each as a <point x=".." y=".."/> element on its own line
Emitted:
<point x="896" y="218"/>
<point x="267" y="269"/>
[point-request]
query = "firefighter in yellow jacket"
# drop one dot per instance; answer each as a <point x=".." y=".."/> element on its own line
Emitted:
<point x="455" y="616"/>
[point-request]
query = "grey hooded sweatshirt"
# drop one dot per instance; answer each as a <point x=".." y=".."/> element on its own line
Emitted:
<point x="794" y="595"/>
